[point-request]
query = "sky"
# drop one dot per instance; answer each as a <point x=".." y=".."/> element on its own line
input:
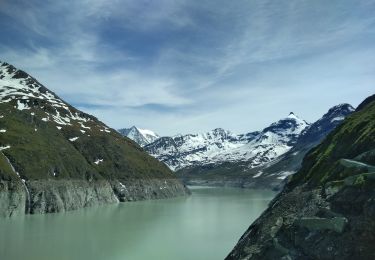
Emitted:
<point x="193" y="65"/>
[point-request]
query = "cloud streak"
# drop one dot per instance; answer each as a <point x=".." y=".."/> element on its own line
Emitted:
<point x="188" y="66"/>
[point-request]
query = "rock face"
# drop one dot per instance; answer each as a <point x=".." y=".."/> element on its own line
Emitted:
<point x="54" y="157"/>
<point x="269" y="173"/>
<point x="327" y="209"/>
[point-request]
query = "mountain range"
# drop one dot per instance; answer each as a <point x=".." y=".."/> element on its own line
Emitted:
<point x="255" y="159"/>
<point x="54" y="157"/>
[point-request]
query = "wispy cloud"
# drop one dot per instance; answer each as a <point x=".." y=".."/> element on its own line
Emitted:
<point x="187" y="66"/>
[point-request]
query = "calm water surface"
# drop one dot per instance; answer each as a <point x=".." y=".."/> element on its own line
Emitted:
<point x="205" y="225"/>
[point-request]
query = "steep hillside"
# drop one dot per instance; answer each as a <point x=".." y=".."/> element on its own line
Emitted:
<point x="54" y="157"/>
<point x="327" y="210"/>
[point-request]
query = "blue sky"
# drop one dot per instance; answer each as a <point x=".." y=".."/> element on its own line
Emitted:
<point x="191" y="66"/>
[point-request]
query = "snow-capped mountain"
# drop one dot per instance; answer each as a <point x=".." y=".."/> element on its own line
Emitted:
<point x="311" y="136"/>
<point x="319" y="129"/>
<point x="219" y="145"/>
<point x="140" y="136"/>
<point x="28" y="93"/>
<point x="270" y="174"/>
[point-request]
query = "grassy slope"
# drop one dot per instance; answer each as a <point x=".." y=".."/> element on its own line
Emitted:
<point x="39" y="154"/>
<point x="351" y="139"/>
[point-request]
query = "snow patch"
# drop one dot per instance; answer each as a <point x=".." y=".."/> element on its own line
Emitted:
<point x="22" y="106"/>
<point x="4" y="147"/>
<point x="283" y="175"/>
<point x="339" y="118"/>
<point x="258" y="174"/>
<point x="83" y="126"/>
<point x="98" y="161"/>
<point x="73" y="139"/>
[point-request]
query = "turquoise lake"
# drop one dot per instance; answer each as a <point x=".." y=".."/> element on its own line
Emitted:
<point x="205" y="225"/>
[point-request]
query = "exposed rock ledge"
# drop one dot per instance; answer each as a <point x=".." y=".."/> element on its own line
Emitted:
<point x="48" y="196"/>
<point x="245" y="183"/>
<point x="322" y="223"/>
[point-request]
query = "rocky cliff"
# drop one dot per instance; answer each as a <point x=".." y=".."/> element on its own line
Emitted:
<point x="327" y="209"/>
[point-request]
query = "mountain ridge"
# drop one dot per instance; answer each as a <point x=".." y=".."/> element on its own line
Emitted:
<point x="221" y="145"/>
<point x="272" y="174"/>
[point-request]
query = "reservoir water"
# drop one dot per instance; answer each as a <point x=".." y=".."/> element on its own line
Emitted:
<point x="205" y="225"/>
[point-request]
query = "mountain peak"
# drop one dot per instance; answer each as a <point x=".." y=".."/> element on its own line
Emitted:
<point x="319" y="129"/>
<point x="24" y="92"/>
<point x="338" y="112"/>
<point x="290" y="126"/>
<point x="343" y="106"/>
<point x="141" y="136"/>
<point x="220" y="131"/>
<point x="293" y="116"/>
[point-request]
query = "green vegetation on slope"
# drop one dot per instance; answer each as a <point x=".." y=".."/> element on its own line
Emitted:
<point x="355" y="138"/>
<point x="39" y="150"/>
